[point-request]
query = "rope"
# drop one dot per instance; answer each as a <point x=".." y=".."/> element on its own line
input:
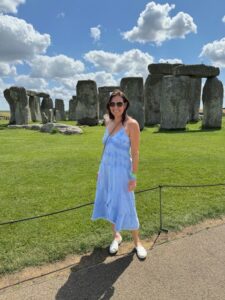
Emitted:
<point x="90" y="203"/>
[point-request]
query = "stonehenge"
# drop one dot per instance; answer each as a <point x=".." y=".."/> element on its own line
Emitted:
<point x="34" y="104"/>
<point x="19" y="105"/>
<point x="170" y="97"/>
<point x="133" y="87"/>
<point x="87" y="102"/>
<point x="103" y="97"/>
<point x="212" y="97"/>
<point x="72" y="109"/>
<point x="174" y="102"/>
<point x="195" y="98"/>
<point x="152" y="96"/>
<point x="47" y="110"/>
<point x="165" y="99"/>
<point x="60" y="114"/>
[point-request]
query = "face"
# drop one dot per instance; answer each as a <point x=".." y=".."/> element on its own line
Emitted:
<point x="117" y="106"/>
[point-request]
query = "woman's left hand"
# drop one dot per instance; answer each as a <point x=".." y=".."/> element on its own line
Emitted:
<point x="132" y="185"/>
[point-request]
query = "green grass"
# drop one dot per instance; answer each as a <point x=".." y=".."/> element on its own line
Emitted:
<point x="43" y="172"/>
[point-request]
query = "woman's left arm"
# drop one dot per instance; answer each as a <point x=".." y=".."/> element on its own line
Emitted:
<point x="134" y="131"/>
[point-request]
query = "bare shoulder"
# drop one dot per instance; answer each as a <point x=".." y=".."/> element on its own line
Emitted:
<point x="132" y="124"/>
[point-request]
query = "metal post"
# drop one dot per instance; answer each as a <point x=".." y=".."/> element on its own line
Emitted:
<point x="160" y="211"/>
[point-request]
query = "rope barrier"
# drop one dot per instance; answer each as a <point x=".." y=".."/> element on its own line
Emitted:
<point x="160" y="187"/>
<point x="46" y="215"/>
<point x="192" y="186"/>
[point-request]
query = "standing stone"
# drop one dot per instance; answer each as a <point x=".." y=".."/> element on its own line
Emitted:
<point x="59" y="110"/>
<point x="174" y="108"/>
<point x="87" y="102"/>
<point x="34" y="104"/>
<point x="72" y="109"/>
<point x="195" y="98"/>
<point x="19" y="105"/>
<point x="152" y="96"/>
<point x="47" y="111"/>
<point x="212" y="98"/>
<point x="103" y="95"/>
<point x="134" y="90"/>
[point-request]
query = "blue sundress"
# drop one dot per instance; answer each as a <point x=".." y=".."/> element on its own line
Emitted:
<point x="113" y="201"/>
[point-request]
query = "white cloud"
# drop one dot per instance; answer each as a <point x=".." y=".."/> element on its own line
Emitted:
<point x="95" y="33"/>
<point x="56" y="66"/>
<point x="215" y="52"/>
<point x="61" y="15"/>
<point x="129" y="63"/>
<point x="223" y="19"/>
<point x="10" y="6"/>
<point x="3" y="103"/>
<point x="171" y="60"/>
<point x="36" y="84"/>
<point x="7" y="70"/>
<point x="19" y="40"/>
<point x="66" y="87"/>
<point x="101" y="78"/>
<point x="155" y="25"/>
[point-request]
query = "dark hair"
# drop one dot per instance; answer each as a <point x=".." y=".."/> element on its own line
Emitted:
<point x="125" y="100"/>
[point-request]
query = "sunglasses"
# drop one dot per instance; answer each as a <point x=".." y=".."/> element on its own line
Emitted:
<point x="118" y="104"/>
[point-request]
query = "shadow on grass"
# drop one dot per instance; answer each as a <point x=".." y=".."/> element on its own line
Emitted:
<point x="3" y="126"/>
<point x="175" y="131"/>
<point x="92" y="278"/>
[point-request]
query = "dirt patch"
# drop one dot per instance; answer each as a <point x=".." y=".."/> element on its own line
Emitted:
<point x="75" y="262"/>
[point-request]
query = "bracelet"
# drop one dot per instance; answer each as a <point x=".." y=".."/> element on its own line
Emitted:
<point x="133" y="176"/>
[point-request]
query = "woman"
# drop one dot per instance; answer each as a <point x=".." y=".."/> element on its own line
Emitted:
<point x="117" y="179"/>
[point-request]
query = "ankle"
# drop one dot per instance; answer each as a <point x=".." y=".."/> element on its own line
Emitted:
<point x="117" y="236"/>
<point x="137" y="243"/>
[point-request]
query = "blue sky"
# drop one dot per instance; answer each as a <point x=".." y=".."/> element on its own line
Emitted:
<point x="49" y="45"/>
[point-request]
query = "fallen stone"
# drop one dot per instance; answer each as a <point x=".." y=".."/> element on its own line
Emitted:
<point x="62" y="128"/>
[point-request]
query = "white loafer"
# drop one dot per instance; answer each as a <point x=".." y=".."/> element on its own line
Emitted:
<point x="115" y="246"/>
<point x="141" y="252"/>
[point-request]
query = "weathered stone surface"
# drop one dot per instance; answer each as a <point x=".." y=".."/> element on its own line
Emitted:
<point x="60" y="114"/>
<point x="47" y="116"/>
<point x="35" y="127"/>
<point x="47" y="110"/>
<point x="212" y="97"/>
<point x="72" y="109"/>
<point x="196" y="70"/>
<point x="14" y="126"/>
<point x="174" y="108"/>
<point x="19" y="105"/>
<point x="29" y="126"/>
<point x="31" y="93"/>
<point x="152" y="96"/>
<point x="162" y="68"/>
<point x="35" y="110"/>
<point x="103" y="96"/>
<point x="87" y="102"/>
<point x="195" y="98"/>
<point x="43" y="95"/>
<point x="46" y="103"/>
<point x="62" y="128"/>
<point x="133" y="88"/>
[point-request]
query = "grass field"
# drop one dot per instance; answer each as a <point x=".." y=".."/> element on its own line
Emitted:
<point x="42" y="173"/>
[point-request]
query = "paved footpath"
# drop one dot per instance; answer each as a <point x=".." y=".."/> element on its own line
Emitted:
<point x="192" y="267"/>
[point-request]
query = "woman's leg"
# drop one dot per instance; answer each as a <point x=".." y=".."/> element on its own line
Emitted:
<point x="141" y="252"/>
<point x="116" y="234"/>
<point x="136" y="238"/>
